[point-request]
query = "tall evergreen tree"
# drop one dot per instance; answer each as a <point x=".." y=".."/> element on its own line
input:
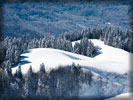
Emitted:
<point x="43" y="87"/>
<point x="31" y="84"/>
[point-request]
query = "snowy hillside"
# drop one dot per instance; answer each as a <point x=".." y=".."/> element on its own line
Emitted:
<point x="124" y="96"/>
<point x="109" y="68"/>
<point x="110" y="59"/>
<point x="65" y="51"/>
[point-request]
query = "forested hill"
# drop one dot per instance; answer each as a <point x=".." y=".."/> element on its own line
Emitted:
<point x="64" y="51"/>
<point x="55" y="18"/>
<point x="93" y="76"/>
<point x="98" y="80"/>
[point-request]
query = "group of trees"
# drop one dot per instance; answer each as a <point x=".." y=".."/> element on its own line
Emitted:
<point x="62" y="83"/>
<point x="85" y="33"/>
<point x="86" y="47"/>
<point x="117" y="38"/>
<point x="16" y="45"/>
<point x="113" y="37"/>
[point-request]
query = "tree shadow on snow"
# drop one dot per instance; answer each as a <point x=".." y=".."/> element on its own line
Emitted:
<point x="98" y="53"/>
<point x="72" y="57"/>
<point x="23" y="57"/>
<point x="28" y="51"/>
<point x="24" y="62"/>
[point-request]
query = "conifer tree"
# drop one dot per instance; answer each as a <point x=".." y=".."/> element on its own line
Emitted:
<point x="42" y="88"/>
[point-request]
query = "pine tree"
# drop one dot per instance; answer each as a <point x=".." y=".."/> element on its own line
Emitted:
<point x="42" y="68"/>
<point x="77" y="48"/>
<point x="19" y="73"/>
<point x="31" y="84"/>
<point x="7" y="79"/>
<point x="90" y="77"/>
<point x="42" y="88"/>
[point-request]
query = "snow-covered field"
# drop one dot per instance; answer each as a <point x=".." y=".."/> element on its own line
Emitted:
<point x="111" y="59"/>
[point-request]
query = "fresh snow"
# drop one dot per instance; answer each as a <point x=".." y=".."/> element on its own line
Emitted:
<point x="110" y="59"/>
<point x="124" y="96"/>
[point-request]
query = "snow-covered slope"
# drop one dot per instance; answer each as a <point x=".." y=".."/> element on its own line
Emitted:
<point x="108" y="68"/>
<point x="111" y="59"/>
<point x="124" y="96"/>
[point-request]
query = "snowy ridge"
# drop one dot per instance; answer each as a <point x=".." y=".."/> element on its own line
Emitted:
<point x="111" y="59"/>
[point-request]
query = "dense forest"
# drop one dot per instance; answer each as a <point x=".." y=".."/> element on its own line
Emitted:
<point x="56" y="84"/>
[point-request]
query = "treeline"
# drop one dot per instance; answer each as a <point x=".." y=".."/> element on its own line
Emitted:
<point x="62" y="83"/>
<point x="116" y="38"/>
<point x="112" y="37"/>
<point x="16" y="45"/>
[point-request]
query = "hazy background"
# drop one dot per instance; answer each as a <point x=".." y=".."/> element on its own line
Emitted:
<point x="33" y="19"/>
